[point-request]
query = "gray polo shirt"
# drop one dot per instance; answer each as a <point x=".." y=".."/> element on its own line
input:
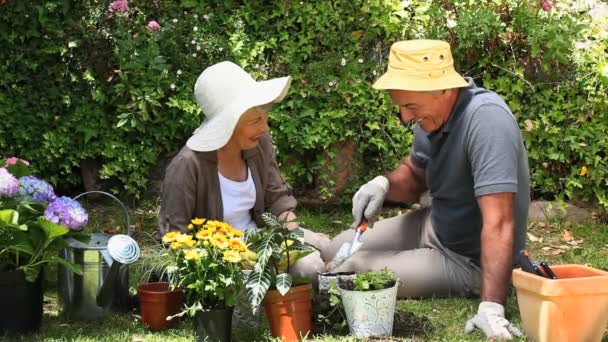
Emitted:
<point x="478" y="151"/>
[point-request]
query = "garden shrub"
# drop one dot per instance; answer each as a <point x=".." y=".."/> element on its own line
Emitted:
<point x="79" y="81"/>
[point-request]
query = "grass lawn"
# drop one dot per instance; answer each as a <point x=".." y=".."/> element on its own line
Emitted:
<point x="437" y="319"/>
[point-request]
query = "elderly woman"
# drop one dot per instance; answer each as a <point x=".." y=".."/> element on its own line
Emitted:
<point x="227" y="171"/>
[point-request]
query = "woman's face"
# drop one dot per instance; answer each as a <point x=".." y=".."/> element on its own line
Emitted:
<point x="252" y="124"/>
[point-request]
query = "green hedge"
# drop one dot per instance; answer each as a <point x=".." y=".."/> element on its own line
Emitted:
<point x="78" y="82"/>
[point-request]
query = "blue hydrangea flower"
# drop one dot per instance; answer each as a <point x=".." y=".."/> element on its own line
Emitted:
<point x="36" y="189"/>
<point x="9" y="185"/>
<point x="66" y="212"/>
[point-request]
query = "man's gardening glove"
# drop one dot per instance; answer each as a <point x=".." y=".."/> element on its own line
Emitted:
<point x="368" y="200"/>
<point x="491" y="320"/>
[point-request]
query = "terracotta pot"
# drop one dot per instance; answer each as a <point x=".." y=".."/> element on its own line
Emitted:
<point x="213" y="325"/>
<point x="289" y="316"/>
<point x="573" y="307"/>
<point x="21" y="303"/>
<point x="157" y="302"/>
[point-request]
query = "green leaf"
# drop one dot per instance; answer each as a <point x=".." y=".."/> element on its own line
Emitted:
<point x="283" y="283"/>
<point x="52" y="230"/>
<point x="57" y="260"/>
<point x="9" y="217"/>
<point x="258" y="284"/>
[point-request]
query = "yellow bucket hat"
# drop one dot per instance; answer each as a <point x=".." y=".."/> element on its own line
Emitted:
<point x="420" y="65"/>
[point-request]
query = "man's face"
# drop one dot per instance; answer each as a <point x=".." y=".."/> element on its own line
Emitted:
<point x="429" y="109"/>
<point x="252" y="124"/>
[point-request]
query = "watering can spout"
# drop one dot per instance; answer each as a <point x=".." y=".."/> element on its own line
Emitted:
<point x="122" y="250"/>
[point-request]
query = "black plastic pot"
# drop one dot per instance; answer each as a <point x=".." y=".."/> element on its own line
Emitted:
<point x="213" y="325"/>
<point x="21" y="303"/>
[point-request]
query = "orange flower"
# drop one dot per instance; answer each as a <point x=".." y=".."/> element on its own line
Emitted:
<point x="220" y="241"/>
<point x="237" y="245"/>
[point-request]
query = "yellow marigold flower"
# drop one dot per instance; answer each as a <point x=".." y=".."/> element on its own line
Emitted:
<point x="198" y="221"/>
<point x="237" y="245"/>
<point x="189" y="243"/>
<point x="183" y="238"/>
<point x="176" y="245"/>
<point x="220" y="241"/>
<point x="232" y="256"/>
<point x="237" y="233"/>
<point x="206" y="243"/>
<point x="170" y="237"/>
<point x="190" y="226"/>
<point x="204" y="234"/>
<point x="191" y="254"/>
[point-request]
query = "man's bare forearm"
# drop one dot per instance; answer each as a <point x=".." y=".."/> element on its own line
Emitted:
<point x="407" y="183"/>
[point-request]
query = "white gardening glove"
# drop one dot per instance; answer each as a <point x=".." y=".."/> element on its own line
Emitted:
<point x="368" y="200"/>
<point x="491" y="320"/>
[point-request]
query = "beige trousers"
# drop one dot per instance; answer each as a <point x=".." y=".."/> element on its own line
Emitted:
<point x="408" y="246"/>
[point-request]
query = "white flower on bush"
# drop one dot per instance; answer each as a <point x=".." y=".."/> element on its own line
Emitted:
<point x="195" y="16"/>
<point x="179" y="72"/>
<point x="374" y="72"/>
<point x="174" y="20"/>
<point x="360" y="60"/>
<point x="193" y="42"/>
<point x="221" y="49"/>
<point x="195" y="28"/>
<point x="451" y="23"/>
<point x="198" y="48"/>
<point x="331" y="83"/>
<point x="343" y="62"/>
<point x="172" y="86"/>
<point x="206" y="17"/>
<point x="194" y="54"/>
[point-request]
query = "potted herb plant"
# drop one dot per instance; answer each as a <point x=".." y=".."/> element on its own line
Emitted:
<point x="34" y="226"/>
<point x="369" y="303"/>
<point x="207" y="269"/>
<point x="287" y="302"/>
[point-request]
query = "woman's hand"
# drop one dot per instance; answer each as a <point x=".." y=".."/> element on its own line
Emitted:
<point x="289" y="219"/>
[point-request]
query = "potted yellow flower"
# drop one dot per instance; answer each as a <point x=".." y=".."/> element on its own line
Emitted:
<point x="207" y="267"/>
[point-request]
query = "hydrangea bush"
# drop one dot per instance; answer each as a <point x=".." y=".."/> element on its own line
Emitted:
<point x="34" y="222"/>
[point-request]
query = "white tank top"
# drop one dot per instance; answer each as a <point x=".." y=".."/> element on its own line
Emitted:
<point x="238" y="198"/>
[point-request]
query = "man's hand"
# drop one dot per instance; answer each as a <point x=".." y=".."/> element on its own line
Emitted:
<point x="368" y="200"/>
<point x="491" y="320"/>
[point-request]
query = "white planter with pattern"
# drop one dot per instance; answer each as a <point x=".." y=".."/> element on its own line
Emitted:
<point x="370" y="313"/>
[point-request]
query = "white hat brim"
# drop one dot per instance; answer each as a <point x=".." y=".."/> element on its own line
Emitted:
<point x="215" y="132"/>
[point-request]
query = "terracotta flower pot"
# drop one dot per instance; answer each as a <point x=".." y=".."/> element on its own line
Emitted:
<point x="21" y="303"/>
<point x="289" y="316"/>
<point x="157" y="302"/>
<point x="573" y="307"/>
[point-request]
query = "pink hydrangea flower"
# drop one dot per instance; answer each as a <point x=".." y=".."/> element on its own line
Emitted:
<point x="547" y="5"/>
<point x="119" y="6"/>
<point x="14" y="160"/>
<point x="153" y="25"/>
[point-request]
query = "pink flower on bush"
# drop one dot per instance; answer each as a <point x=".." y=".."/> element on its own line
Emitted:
<point x="547" y="5"/>
<point x="153" y="25"/>
<point x="14" y="160"/>
<point x="119" y="6"/>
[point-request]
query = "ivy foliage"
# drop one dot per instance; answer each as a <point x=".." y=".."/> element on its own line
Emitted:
<point x="80" y="82"/>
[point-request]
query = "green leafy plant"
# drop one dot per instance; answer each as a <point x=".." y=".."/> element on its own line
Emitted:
<point x="371" y="280"/>
<point x="277" y="249"/>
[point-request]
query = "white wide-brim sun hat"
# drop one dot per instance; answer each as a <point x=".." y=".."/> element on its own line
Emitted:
<point x="225" y="91"/>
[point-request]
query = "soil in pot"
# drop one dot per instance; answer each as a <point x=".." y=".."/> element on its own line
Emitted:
<point x="157" y="303"/>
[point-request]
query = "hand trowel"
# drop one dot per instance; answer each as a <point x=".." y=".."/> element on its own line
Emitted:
<point x="348" y="248"/>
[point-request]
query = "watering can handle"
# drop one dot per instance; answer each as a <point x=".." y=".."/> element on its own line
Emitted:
<point x="114" y="198"/>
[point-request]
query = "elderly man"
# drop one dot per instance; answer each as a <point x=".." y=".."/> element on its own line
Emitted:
<point x="468" y="152"/>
